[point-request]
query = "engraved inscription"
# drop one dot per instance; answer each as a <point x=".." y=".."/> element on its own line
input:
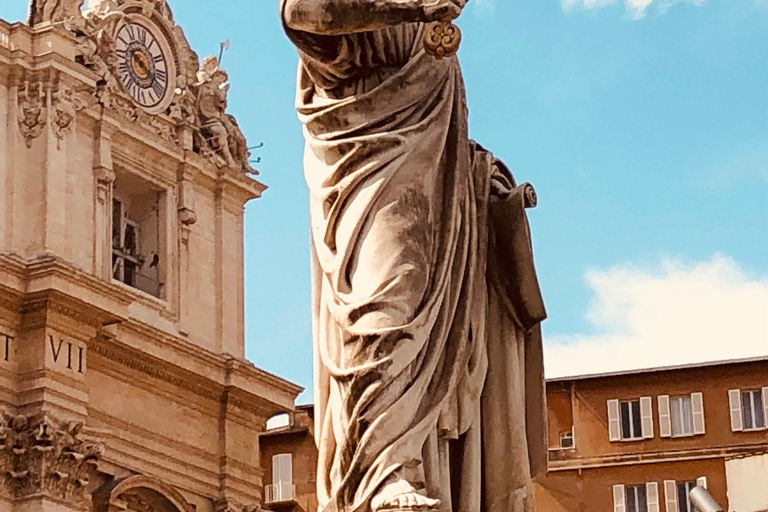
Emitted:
<point x="67" y="354"/>
<point x="5" y="345"/>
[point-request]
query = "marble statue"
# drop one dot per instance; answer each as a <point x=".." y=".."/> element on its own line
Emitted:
<point x="220" y="128"/>
<point x="428" y="375"/>
<point x="53" y="10"/>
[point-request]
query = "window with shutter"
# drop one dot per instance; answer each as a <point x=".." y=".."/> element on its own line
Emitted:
<point x="652" y="491"/>
<point x="631" y="420"/>
<point x="697" y="404"/>
<point x="681" y="411"/>
<point x="636" y="498"/>
<point x="734" y="399"/>
<point x="670" y="495"/>
<point x="765" y="404"/>
<point x="646" y="415"/>
<point x="753" y="411"/>
<point x="614" y="421"/>
<point x="665" y="421"/>
<point x="683" y="497"/>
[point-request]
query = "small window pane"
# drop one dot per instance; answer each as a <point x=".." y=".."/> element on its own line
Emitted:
<point x="131" y="247"/>
<point x="675" y="410"/>
<point x="129" y="273"/>
<point x="746" y="407"/>
<point x="642" y="500"/>
<point x="631" y="499"/>
<point x="637" y="500"/>
<point x="682" y="415"/>
<point x="682" y="497"/>
<point x="637" y="420"/>
<point x="626" y="429"/>
<point x="759" y="413"/>
<point x="117" y="219"/>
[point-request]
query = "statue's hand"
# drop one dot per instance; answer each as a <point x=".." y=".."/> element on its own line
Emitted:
<point x="442" y="10"/>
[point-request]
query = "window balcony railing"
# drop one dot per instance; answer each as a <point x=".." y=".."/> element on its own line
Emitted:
<point x="284" y="491"/>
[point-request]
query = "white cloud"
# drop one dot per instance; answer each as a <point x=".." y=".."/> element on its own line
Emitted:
<point x="678" y="314"/>
<point x="636" y="9"/>
<point x="483" y="7"/>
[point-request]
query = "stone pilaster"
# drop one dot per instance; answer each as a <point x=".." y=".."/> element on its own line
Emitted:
<point x="187" y="217"/>
<point x="104" y="179"/>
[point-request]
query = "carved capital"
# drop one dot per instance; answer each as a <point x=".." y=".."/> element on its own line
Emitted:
<point x="186" y="195"/>
<point x="44" y="456"/>
<point x="105" y="178"/>
<point x="187" y="216"/>
<point x="226" y="505"/>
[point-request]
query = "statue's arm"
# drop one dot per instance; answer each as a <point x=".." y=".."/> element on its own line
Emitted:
<point x="335" y="17"/>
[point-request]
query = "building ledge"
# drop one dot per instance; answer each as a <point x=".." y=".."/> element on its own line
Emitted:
<point x="657" y="457"/>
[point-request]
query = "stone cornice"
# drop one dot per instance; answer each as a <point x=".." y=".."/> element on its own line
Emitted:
<point x="148" y="142"/>
<point x="216" y="385"/>
<point x="658" y="457"/>
<point x="54" y="283"/>
<point x="134" y="359"/>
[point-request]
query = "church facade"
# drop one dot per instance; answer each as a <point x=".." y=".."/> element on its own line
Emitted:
<point x="123" y="381"/>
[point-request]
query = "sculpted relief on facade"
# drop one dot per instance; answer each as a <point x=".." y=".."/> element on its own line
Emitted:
<point x="32" y="110"/>
<point x="190" y="111"/>
<point x="37" y="97"/>
<point x="44" y="456"/>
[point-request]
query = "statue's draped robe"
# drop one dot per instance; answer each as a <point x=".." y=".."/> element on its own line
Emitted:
<point x="408" y="331"/>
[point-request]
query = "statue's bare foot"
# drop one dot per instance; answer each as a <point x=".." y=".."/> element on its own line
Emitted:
<point x="397" y="494"/>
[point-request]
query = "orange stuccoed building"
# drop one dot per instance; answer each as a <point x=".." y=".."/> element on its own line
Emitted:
<point x="639" y="441"/>
<point x="633" y="441"/>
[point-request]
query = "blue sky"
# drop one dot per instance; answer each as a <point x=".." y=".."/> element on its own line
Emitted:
<point x="643" y="126"/>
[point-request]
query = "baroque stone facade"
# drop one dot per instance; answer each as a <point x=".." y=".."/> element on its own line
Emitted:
<point x="123" y="178"/>
<point x="194" y="115"/>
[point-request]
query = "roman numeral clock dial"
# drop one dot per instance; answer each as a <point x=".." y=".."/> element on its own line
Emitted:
<point x="143" y="68"/>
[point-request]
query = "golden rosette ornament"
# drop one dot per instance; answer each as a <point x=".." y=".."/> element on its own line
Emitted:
<point x="442" y="39"/>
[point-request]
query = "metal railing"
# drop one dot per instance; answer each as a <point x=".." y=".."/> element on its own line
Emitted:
<point x="284" y="491"/>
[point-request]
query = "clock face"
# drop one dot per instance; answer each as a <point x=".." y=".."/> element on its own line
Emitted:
<point x="142" y="65"/>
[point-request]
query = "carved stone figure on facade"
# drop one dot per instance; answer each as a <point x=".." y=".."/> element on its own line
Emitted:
<point x="183" y="109"/>
<point x="53" y="11"/>
<point x="429" y="392"/>
<point x="31" y="110"/>
<point x="64" y="106"/>
<point x="219" y="129"/>
<point x="211" y="104"/>
<point x="96" y="48"/>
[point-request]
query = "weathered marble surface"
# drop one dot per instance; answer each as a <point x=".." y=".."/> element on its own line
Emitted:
<point x="429" y="382"/>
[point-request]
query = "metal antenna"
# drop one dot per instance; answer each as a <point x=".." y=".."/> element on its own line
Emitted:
<point x="257" y="159"/>
<point x="223" y="46"/>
